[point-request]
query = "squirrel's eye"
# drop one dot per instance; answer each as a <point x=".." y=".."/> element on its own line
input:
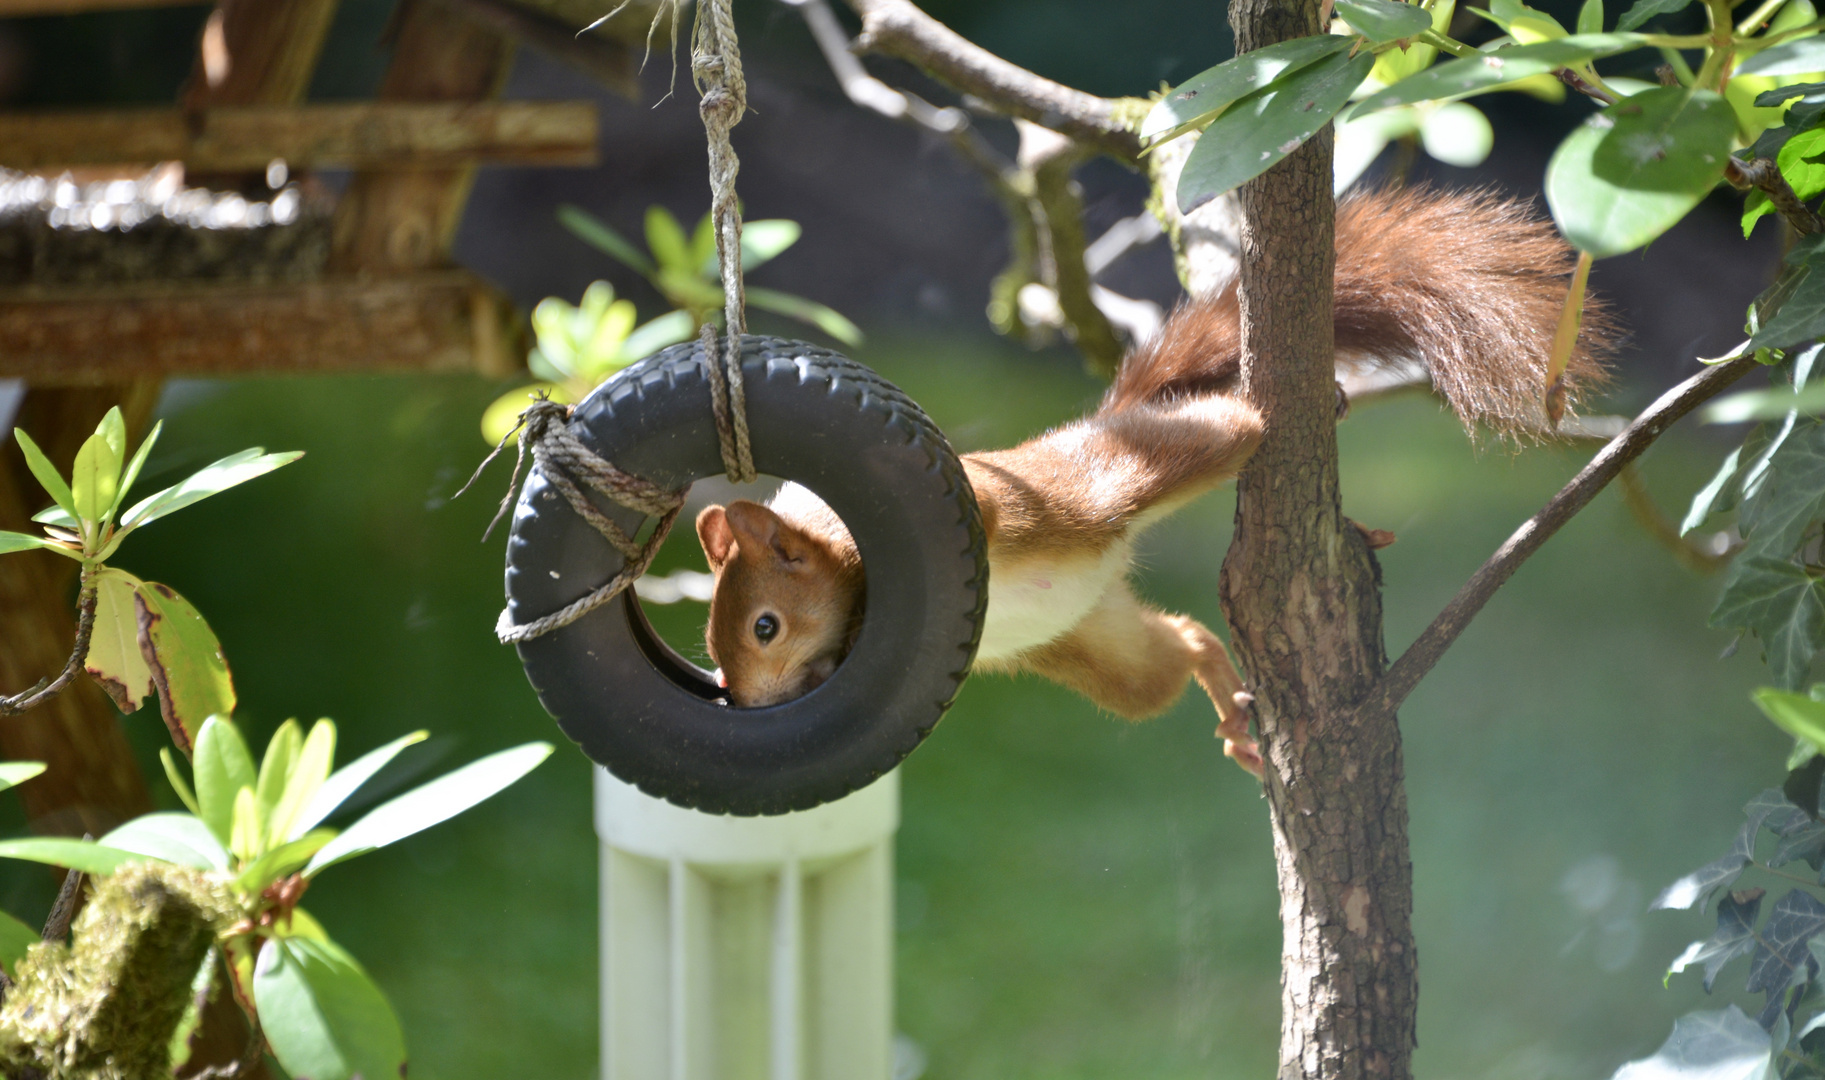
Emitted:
<point x="766" y="628"/>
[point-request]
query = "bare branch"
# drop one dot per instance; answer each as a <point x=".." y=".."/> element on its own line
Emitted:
<point x="57" y="925"/>
<point x="898" y="28"/>
<point x="85" y="625"/>
<point x="1624" y="448"/>
<point x="1050" y="157"/>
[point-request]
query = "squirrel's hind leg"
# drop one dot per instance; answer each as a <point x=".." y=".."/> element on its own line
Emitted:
<point x="1134" y="660"/>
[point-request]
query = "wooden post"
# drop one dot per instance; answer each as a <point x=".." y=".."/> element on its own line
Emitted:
<point x="1302" y="594"/>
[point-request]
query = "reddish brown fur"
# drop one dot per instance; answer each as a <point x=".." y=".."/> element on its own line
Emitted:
<point x="1467" y="284"/>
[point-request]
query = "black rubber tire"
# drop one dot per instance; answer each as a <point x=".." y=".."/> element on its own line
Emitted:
<point x="658" y="721"/>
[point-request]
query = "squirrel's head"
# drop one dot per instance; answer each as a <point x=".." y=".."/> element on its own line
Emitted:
<point x="785" y="607"/>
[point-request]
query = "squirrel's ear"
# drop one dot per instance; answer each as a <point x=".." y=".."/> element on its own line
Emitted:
<point x="762" y="528"/>
<point x="714" y="534"/>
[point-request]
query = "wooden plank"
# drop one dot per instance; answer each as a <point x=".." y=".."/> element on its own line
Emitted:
<point x="436" y="321"/>
<point x="352" y="135"/>
<point x="258" y="52"/>
<point x="402" y="220"/>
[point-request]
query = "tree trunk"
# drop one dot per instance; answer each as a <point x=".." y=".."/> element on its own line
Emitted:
<point x="1302" y="595"/>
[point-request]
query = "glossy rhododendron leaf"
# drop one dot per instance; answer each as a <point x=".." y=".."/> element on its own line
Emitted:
<point x="186" y="662"/>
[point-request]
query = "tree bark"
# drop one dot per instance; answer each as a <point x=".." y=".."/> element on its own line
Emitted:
<point x="1302" y="595"/>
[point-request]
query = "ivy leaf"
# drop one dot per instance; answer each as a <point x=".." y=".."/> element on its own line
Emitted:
<point x="1707" y="497"/>
<point x="1802" y="783"/>
<point x="1756" y="207"/>
<point x="1801" y="56"/>
<point x="1790" y="496"/>
<point x="1257" y="131"/>
<point x="1800" y="316"/>
<point x="1200" y="98"/>
<point x="1735" y="936"/>
<point x="115" y="661"/>
<point x="1696" y="889"/>
<point x="1781" y="948"/>
<point x="1632" y="171"/>
<point x="185" y="660"/>
<point x="1801" y="840"/>
<point x="1783" y="605"/>
<point x="322" y="1015"/>
<point x="1384" y="20"/>
<point x="1643" y="10"/>
<point x="1474" y="74"/>
<point x="1720" y="1045"/>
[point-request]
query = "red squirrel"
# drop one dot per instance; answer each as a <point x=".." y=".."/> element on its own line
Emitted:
<point x="1467" y="284"/>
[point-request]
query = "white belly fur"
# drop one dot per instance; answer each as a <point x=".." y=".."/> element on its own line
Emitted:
<point x="1032" y="602"/>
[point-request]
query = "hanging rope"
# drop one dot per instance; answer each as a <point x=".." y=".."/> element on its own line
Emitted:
<point x="545" y="426"/>
<point x="716" y="71"/>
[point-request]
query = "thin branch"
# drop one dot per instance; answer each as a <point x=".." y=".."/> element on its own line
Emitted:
<point x="57" y="926"/>
<point x="898" y="28"/>
<point x="1051" y="157"/>
<point x="1624" y="448"/>
<point x="1766" y="175"/>
<point x="85" y="625"/>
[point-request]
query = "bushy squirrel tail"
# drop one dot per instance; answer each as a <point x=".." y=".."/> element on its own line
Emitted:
<point x="1467" y="285"/>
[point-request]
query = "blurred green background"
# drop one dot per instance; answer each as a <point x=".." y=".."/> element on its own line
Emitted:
<point x="1078" y="897"/>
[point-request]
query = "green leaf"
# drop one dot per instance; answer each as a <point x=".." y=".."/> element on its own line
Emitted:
<point x="46" y="473"/>
<point x="343" y="782"/>
<point x="223" y="768"/>
<point x="598" y="235"/>
<point x="217" y="478"/>
<point x="703" y="245"/>
<point x="1724" y="1045"/>
<point x="16" y="939"/>
<point x="1755" y="207"/>
<point x="1735" y="936"/>
<point x="1590" y="17"/>
<point x="12" y="541"/>
<point x="1260" y="129"/>
<point x="666" y="239"/>
<point x="1384" y="20"/>
<point x="1643" y="10"/>
<point x="1457" y="134"/>
<point x="1707" y="495"/>
<point x="186" y="662"/>
<point x="1769" y="404"/>
<point x="1800" y="317"/>
<point x="14" y="773"/>
<point x="825" y="319"/>
<point x="437" y="801"/>
<point x="1783" y="605"/>
<point x="178" y="783"/>
<point x="275" y="774"/>
<point x="1201" y="97"/>
<point x="247" y="833"/>
<point x="95" y="478"/>
<point x="1802" y="162"/>
<point x="322" y="1015"/>
<point x="284" y="860"/>
<point x="762" y="241"/>
<point x="1526" y="25"/>
<point x="170" y="837"/>
<point x="1474" y="74"/>
<point x="308" y="773"/>
<point x="1801" y="56"/>
<point x="138" y="463"/>
<point x="84" y="855"/>
<point x="115" y="660"/>
<point x="1630" y="172"/>
<point x="650" y="337"/>
<point x="1796" y="714"/>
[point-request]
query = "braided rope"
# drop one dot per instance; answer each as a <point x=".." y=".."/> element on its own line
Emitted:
<point x="565" y="461"/>
<point x="716" y="72"/>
